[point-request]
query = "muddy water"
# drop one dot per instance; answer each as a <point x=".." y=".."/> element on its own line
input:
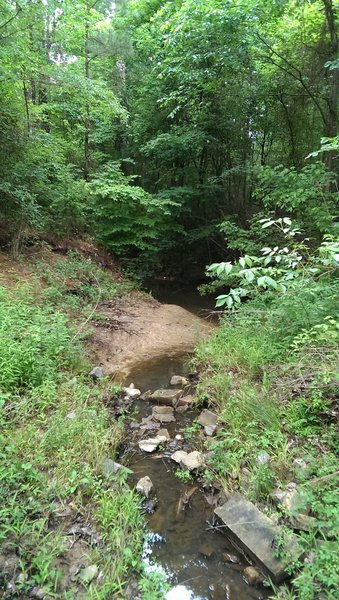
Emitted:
<point x="183" y="541"/>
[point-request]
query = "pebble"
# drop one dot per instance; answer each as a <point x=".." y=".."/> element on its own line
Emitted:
<point x="87" y="574"/>
<point x="263" y="458"/>
<point x="252" y="576"/>
<point x="97" y="373"/>
<point x="144" y="486"/>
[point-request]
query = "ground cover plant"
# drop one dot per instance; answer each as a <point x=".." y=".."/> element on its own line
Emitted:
<point x="271" y="373"/>
<point x="59" y="510"/>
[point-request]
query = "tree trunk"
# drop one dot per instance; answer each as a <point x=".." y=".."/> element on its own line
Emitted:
<point x="87" y="109"/>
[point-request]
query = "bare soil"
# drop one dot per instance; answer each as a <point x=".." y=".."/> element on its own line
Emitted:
<point x="136" y="329"/>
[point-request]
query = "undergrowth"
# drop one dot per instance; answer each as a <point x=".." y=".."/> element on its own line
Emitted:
<point x="55" y="433"/>
<point x="271" y="373"/>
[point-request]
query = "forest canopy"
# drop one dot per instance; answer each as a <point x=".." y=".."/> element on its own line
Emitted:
<point x="162" y="128"/>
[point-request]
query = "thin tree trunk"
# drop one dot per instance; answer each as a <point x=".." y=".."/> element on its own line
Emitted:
<point x="87" y="109"/>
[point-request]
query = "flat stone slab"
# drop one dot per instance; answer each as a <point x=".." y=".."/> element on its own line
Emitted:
<point x="163" y="414"/>
<point x="186" y="401"/>
<point x="167" y="397"/>
<point x="207" y="418"/>
<point x="257" y="534"/>
<point x="179" y="381"/>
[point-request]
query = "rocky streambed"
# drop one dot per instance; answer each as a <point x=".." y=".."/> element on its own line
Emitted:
<point x="209" y="546"/>
<point x="165" y="450"/>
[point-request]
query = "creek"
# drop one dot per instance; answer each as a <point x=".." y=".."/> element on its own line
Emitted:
<point x="198" y="559"/>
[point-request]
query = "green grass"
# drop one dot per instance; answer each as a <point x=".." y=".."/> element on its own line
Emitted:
<point x="270" y="372"/>
<point x="54" y="435"/>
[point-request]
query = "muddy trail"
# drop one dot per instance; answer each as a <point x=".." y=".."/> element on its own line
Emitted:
<point x="184" y="539"/>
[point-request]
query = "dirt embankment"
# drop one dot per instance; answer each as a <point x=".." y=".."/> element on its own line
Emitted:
<point x="138" y="329"/>
<point x="126" y="331"/>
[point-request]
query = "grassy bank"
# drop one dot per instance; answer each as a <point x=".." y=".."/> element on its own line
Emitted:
<point x="271" y="373"/>
<point x="60" y="512"/>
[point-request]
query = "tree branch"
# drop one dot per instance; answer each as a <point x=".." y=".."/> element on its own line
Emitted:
<point x="292" y="71"/>
<point x="19" y="9"/>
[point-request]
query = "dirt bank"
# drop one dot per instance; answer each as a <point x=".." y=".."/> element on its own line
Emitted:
<point x="137" y="329"/>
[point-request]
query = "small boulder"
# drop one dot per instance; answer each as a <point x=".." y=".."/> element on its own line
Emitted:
<point x="303" y="522"/>
<point x="185" y="402"/>
<point x="109" y="467"/>
<point x="164" y="414"/>
<point x="178" y="380"/>
<point x="207" y="418"/>
<point x="166" y="397"/>
<point x="193" y="460"/>
<point x="164" y="433"/>
<point x="132" y="391"/>
<point x="149" y="445"/>
<point x="292" y="500"/>
<point x="252" y="576"/>
<point x="144" y="486"/>
<point x="148" y="423"/>
<point x="210" y="430"/>
<point x="97" y="373"/>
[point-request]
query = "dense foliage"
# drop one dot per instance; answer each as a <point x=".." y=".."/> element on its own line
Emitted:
<point x="165" y="127"/>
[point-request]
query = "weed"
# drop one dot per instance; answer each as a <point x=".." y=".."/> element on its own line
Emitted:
<point x="54" y="436"/>
<point x="269" y="372"/>
<point x="184" y="475"/>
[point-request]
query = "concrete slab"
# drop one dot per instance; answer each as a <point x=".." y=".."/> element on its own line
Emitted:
<point x="257" y="535"/>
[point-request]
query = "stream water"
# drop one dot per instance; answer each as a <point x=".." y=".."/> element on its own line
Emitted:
<point x="199" y="560"/>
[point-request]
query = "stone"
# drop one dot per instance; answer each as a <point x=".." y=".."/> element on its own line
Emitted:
<point x="210" y="430"/>
<point x="303" y="522"/>
<point x="37" y="592"/>
<point x="178" y="437"/>
<point x="148" y="423"/>
<point x="87" y="574"/>
<point x="97" y="373"/>
<point x="263" y="458"/>
<point x="299" y="464"/>
<point x="291" y="485"/>
<point x="178" y="380"/>
<point x="207" y="418"/>
<point x="132" y="391"/>
<point x="193" y="460"/>
<point x="109" y="467"/>
<point x="145" y="395"/>
<point x="71" y="415"/>
<point x="185" y="402"/>
<point x="232" y="558"/>
<point x="73" y="382"/>
<point x="164" y="433"/>
<point x="166" y="397"/>
<point x="144" y="486"/>
<point x="252" y="576"/>
<point x="256" y="534"/>
<point x="292" y="500"/>
<point x="164" y="414"/>
<point x="149" y="445"/>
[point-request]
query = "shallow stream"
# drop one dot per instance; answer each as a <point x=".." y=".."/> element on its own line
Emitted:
<point x="198" y="558"/>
